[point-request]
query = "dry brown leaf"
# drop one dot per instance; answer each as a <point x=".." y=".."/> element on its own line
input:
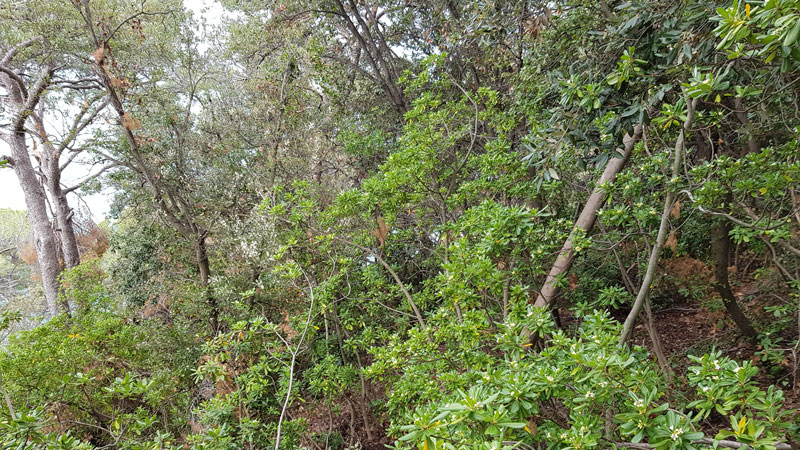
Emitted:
<point x="130" y="122"/>
<point x="675" y="212"/>
<point x="573" y="282"/>
<point x="99" y="55"/>
<point x="531" y="427"/>
<point x="382" y="231"/>
<point x="672" y="241"/>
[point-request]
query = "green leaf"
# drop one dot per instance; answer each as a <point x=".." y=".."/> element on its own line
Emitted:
<point x="791" y="37"/>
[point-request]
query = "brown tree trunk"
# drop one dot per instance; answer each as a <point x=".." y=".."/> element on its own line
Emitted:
<point x="43" y="237"/>
<point x="205" y="274"/>
<point x="720" y="247"/>
<point x="586" y="220"/>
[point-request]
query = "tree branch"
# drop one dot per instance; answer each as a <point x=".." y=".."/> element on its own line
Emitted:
<point x="15" y="77"/>
<point x="89" y="178"/>
<point x="294" y="359"/>
<point x="15" y="49"/>
<point x="78" y="125"/>
<point x="586" y="219"/>
<point x="36" y="93"/>
<point x="644" y="290"/>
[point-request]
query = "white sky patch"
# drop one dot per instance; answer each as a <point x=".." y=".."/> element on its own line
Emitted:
<point x="12" y="197"/>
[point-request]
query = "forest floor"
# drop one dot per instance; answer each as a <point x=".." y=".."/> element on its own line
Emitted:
<point x="691" y="326"/>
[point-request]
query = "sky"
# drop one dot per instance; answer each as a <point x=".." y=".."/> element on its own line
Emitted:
<point x="11" y="195"/>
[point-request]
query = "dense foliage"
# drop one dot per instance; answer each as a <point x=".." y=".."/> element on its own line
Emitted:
<point x="441" y="224"/>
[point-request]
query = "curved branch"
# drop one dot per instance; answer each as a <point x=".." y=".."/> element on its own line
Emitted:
<point x="417" y="312"/>
<point x="15" y="77"/>
<point x="15" y="49"/>
<point x="140" y="13"/>
<point x="89" y="178"/>
<point x="33" y="98"/>
<point x="294" y="359"/>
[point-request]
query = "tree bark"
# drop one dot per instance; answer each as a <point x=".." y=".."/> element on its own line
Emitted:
<point x="384" y="71"/>
<point x="50" y="165"/>
<point x="63" y="215"/>
<point x="43" y="237"/>
<point x="205" y="274"/>
<point x="24" y="101"/>
<point x="658" y="348"/>
<point x="7" y="398"/>
<point x="647" y="281"/>
<point x="586" y="220"/>
<point x="721" y="249"/>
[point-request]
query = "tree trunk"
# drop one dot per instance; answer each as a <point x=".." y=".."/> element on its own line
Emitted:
<point x="658" y="348"/>
<point x="66" y="227"/>
<point x="44" y="239"/>
<point x="720" y="247"/>
<point x="61" y="210"/>
<point x="586" y="220"/>
<point x="205" y="274"/>
<point x="7" y="398"/>
<point x="647" y="280"/>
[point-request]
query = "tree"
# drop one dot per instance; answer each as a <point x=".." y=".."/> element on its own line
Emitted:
<point x="23" y="97"/>
<point x="42" y="74"/>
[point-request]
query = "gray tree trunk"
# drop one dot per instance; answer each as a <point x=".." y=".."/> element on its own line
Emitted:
<point x="586" y="220"/>
<point x="66" y="226"/>
<point x="61" y="210"/>
<point x="47" y="249"/>
<point x="36" y="202"/>
<point x="647" y="280"/>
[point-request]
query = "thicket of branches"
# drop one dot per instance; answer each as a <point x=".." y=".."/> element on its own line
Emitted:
<point x="418" y="224"/>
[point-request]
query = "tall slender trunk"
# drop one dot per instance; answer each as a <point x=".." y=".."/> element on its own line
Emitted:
<point x="721" y="240"/>
<point x="7" y="398"/>
<point x="586" y="220"/>
<point x="43" y="236"/>
<point x="720" y="246"/>
<point x="66" y="227"/>
<point x="655" y="252"/>
<point x="658" y="348"/>
<point x="205" y="275"/>
<point x="61" y="210"/>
